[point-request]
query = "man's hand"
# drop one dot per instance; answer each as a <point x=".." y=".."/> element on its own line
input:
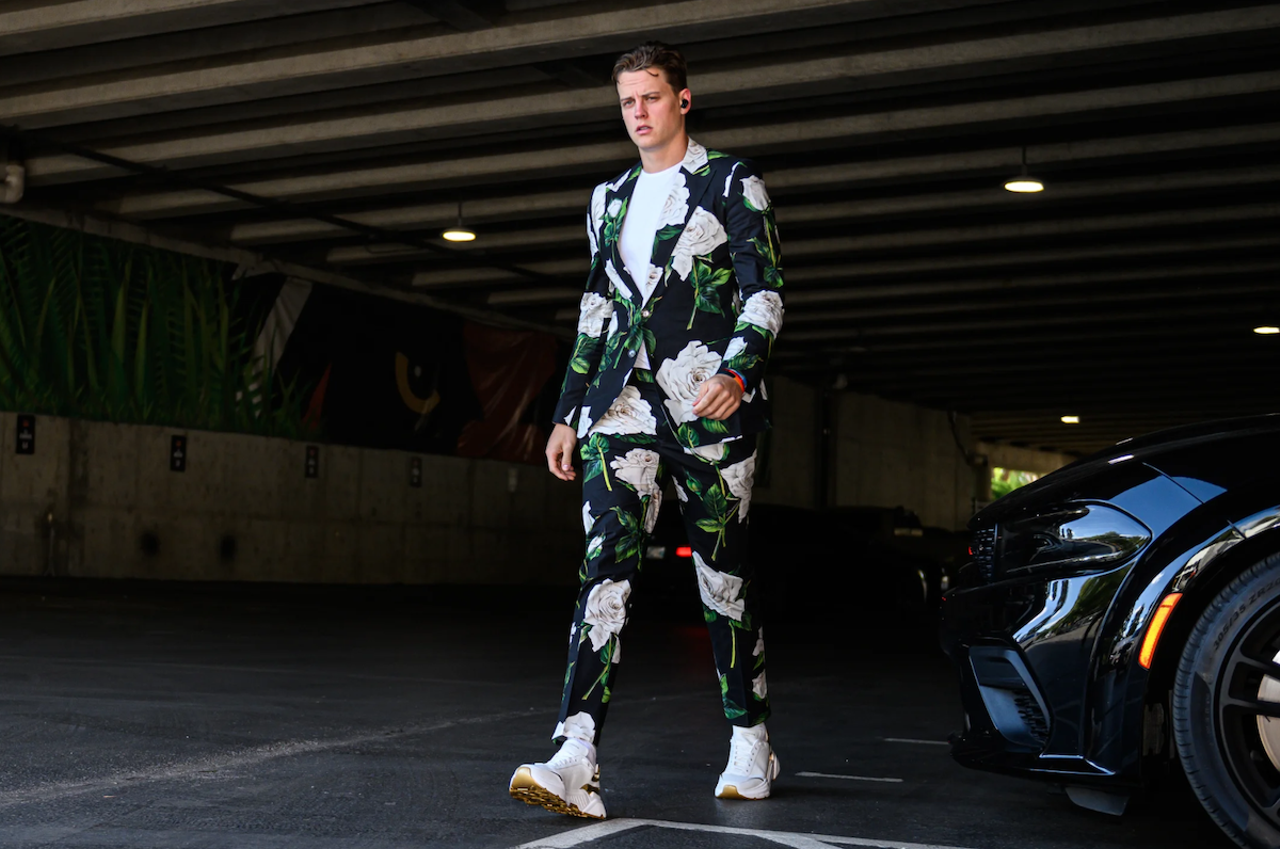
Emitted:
<point x="718" y="398"/>
<point x="560" y="452"/>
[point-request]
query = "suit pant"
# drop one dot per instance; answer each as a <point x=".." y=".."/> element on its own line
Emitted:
<point x="624" y="475"/>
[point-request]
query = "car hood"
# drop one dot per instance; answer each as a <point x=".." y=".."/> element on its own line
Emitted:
<point x="1204" y="458"/>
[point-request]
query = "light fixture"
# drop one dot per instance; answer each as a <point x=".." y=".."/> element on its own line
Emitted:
<point x="460" y="233"/>
<point x="1024" y="183"/>
<point x="1071" y="420"/>
<point x="1266" y="330"/>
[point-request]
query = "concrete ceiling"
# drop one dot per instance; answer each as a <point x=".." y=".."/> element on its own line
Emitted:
<point x="339" y="136"/>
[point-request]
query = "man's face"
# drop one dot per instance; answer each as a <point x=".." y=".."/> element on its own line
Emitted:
<point x="650" y="108"/>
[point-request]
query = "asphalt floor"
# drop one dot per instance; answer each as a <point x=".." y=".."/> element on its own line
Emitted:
<point x="136" y="716"/>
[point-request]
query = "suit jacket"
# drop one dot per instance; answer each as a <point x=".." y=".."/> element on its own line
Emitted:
<point x="715" y="309"/>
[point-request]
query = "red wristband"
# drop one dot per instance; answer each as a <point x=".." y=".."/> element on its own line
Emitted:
<point x="742" y="384"/>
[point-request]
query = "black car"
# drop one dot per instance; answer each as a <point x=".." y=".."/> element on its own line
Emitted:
<point x="1122" y="615"/>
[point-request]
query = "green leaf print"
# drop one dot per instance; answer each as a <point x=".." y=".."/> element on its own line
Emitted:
<point x="583" y="347"/>
<point x="709" y="614"/>
<point x="632" y="534"/>
<point x="713" y="426"/>
<point x="604" y="699"/>
<point x="671" y="231"/>
<point x="731" y="708"/>
<point x="705" y="281"/>
<point x="693" y="484"/>
<point x="687" y="435"/>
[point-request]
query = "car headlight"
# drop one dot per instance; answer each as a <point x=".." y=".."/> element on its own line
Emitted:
<point x="1075" y="535"/>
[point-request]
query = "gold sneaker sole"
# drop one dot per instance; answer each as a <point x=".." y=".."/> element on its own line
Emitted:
<point x="524" y="788"/>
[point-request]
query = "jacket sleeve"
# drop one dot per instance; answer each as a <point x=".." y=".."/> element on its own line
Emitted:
<point x="757" y="265"/>
<point x="593" y="316"/>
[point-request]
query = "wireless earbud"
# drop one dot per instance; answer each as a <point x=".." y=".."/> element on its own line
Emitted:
<point x="684" y="104"/>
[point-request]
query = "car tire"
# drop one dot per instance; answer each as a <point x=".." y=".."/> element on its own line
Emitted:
<point x="1218" y="692"/>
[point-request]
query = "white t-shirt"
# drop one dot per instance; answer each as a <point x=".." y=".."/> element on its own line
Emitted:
<point x="639" y="229"/>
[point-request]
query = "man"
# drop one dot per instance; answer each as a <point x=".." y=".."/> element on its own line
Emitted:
<point x="682" y="304"/>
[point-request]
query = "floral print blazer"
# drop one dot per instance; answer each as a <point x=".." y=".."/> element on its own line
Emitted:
<point x="716" y="305"/>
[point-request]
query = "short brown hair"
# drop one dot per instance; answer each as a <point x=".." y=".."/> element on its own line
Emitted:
<point x="655" y="54"/>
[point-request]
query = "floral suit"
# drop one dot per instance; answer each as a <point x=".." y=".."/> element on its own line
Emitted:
<point x="715" y="308"/>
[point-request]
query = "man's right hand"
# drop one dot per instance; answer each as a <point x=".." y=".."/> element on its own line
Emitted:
<point x="560" y="452"/>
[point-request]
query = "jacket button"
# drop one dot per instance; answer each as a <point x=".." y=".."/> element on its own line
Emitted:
<point x="645" y="313"/>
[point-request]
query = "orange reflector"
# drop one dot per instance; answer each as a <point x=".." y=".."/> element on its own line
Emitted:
<point x="684" y="551"/>
<point x="1157" y="625"/>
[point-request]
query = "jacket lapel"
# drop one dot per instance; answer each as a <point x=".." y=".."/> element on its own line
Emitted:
<point x="621" y="192"/>
<point x="687" y="190"/>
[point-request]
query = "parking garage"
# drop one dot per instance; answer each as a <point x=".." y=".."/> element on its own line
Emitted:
<point x="282" y="563"/>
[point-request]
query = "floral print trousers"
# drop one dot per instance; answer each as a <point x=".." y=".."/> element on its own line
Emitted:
<point x="623" y="478"/>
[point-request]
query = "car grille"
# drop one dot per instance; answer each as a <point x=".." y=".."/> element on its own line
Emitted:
<point x="1032" y="716"/>
<point x="983" y="544"/>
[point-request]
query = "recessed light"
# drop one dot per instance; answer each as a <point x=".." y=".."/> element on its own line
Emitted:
<point x="1024" y="184"/>
<point x="458" y="234"/>
<point x="1071" y="420"/>
<point x="1266" y="330"/>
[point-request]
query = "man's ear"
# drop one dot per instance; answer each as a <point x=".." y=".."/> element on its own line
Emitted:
<point x="686" y="100"/>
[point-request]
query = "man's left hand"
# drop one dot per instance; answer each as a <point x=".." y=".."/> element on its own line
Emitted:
<point x="719" y="398"/>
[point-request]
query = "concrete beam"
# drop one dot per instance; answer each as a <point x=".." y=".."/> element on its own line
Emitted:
<point x="1230" y="311"/>
<point x="381" y="180"/>
<point x="567" y="202"/>
<point x="52" y="26"/>
<point x="337" y="67"/>
<point x="374" y="254"/>
<point x="1223" y="287"/>
<point x="561" y="203"/>
<point x="916" y="288"/>
<point x="459" y="120"/>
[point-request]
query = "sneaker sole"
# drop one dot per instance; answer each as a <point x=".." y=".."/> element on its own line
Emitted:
<point x="524" y="788"/>
<point x="730" y="791"/>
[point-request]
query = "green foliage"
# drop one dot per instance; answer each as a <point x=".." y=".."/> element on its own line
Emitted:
<point x="1005" y="481"/>
<point x="98" y="329"/>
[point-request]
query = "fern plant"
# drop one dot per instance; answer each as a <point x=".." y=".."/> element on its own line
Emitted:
<point x="99" y="329"/>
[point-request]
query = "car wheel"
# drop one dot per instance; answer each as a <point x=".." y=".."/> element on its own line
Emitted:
<point x="1226" y="707"/>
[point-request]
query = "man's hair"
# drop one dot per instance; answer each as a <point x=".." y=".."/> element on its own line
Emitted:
<point x="654" y="54"/>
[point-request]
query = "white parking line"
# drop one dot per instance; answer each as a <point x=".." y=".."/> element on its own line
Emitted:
<point x="848" y="777"/>
<point x="795" y="840"/>
<point x="914" y="740"/>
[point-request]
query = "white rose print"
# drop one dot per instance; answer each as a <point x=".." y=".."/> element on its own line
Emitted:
<point x="760" y="687"/>
<point x="680" y="493"/>
<point x="736" y="346"/>
<point x="628" y="415"/>
<point x="712" y="453"/>
<point x="702" y="235"/>
<point x="763" y="309"/>
<point x="615" y="206"/>
<point x="584" y="421"/>
<point x="738" y="478"/>
<point x="606" y="612"/>
<point x="695" y="156"/>
<point x="759" y="649"/>
<point x="588" y="522"/>
<point x="592" y="312"/>
<point x="682" y="377"/>
<point x="638" y="467"/>
<point x="676" y="206"/>
<point x="651" y="511"/>
<point x="616" y="279"/>
<point x="580" y="726"/>
<point x="755" y="195"/>
<point x="719" y="590"/>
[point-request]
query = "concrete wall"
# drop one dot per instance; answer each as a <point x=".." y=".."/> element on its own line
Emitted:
<point x="243" y="510"/>
<point x="84" y="504"/>
<point x="888" y="454"/>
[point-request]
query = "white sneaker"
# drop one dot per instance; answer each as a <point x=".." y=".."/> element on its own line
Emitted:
<point x="569" y="783"/>
<point x="752" y="766"/>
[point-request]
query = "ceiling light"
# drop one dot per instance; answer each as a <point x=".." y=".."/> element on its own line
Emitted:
<point x="461" y="233"/>
<point x="1071" y="420"/>
<point x="1266" y="330"/>
<point x="1024" y="183"/>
